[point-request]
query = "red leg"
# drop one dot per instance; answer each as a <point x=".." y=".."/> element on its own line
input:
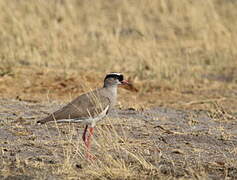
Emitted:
<point x="88" y="139"/>
<point x="84" y="134"/>
<point x="87" y="143"/>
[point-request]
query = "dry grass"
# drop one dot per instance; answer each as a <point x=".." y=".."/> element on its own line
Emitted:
<point x="125" y="148"/>
<point x="180" y="54"/>
<point x="52" y="49"/>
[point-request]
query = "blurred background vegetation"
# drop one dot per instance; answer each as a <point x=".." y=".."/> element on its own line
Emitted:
<point x="165" y="47"/>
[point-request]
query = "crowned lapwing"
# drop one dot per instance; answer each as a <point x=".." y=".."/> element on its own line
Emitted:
<point x="91" y="107"/>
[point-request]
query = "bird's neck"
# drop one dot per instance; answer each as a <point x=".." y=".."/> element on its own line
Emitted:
<point x="112" y="89"/>
<point x="111" y="93"/>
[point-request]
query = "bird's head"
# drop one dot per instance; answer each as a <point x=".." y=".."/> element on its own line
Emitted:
<point x="114" y="79"/>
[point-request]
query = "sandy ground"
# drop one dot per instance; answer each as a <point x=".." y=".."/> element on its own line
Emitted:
<point x="174" y="141"/>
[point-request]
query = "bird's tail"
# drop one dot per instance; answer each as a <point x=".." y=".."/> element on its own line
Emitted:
<point x="45" y="120"/>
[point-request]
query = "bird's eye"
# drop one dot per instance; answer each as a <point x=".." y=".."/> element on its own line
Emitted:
<point x="120" y="78"/>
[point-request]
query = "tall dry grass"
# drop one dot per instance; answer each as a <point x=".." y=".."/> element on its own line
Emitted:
<point x="161" y="41"/>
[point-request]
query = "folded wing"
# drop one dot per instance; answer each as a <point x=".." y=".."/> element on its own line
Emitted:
<point x="85" y="106"/>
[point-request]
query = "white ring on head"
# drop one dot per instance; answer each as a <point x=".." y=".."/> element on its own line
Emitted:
<point x="114" y="73"/>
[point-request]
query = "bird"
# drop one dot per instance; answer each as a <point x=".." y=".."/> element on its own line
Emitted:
<point x="89" y="108"/>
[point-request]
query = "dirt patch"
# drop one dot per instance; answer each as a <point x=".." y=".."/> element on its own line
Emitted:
<point x="176" y="143"/>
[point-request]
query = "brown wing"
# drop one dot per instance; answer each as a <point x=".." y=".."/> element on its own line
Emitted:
<point x="86" y="105"/>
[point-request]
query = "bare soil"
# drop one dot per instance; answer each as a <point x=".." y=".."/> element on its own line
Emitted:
<point x="177" y="142"/>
